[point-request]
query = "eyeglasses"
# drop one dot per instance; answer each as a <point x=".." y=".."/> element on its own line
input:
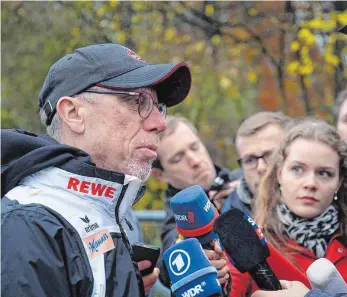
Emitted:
<point x="144" y="100"/>
<point x="251" y="162"/>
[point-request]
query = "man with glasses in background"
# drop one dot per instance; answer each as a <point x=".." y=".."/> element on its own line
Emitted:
<point x="65" y="196"/>
<point x="258" y="137"/>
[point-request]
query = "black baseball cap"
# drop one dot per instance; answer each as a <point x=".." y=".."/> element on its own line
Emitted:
<point x="112" y="66"/>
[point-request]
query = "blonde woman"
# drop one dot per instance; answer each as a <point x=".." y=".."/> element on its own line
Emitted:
<point x="302" y="200"/>
<point x="302" y="205"/>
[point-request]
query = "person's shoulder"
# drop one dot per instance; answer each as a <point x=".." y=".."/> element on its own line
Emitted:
<point x="39" y="227"/>
<point x="34" y="236"/>
<point x="234" y="201"/>
<point x="11" y="207"/>
<point x="230" y="201"/>
<point x="30" y="217"/>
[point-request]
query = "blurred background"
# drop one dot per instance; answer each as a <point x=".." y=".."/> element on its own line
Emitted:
<point x="245" y="57"/>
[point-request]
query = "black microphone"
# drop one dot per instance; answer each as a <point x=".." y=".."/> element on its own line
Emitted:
<point x="246" y="245"/>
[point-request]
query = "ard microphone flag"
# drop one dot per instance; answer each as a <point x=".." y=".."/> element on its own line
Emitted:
<point x="194" y="214"/>
<point x="191" y="273"/>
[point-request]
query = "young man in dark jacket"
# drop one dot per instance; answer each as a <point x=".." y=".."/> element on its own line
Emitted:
<point x="184" y="161"/>
<point x="256" y="139"/>
<point x="64" y="197"/>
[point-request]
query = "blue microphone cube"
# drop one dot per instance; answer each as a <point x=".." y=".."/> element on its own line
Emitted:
<point x="191" y="273"/>
<point x="194" y="213"/>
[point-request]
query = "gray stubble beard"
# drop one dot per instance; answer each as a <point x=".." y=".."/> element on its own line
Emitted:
<point x="139" y="169"/>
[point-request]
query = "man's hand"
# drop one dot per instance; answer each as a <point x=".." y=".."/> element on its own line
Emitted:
<point x="150" y="279"/>
<point x="220" y="196"/>
<point x="290" y="289"/>
<point x="219" y="261"/>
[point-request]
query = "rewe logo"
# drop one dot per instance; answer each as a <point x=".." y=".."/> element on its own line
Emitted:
<point x="90" y="188"/>
<point x="193" y="291"/>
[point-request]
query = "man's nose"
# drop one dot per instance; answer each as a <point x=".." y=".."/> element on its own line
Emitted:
<point x="155" y="122"/>
<point x="193" y="159"/>
<point x="261" y="168"/>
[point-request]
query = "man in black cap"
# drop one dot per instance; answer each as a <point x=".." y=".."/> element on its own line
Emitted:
<point x="65" y="196"/>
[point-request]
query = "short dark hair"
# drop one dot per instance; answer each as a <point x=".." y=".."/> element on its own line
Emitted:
<point x="260" y="120"/>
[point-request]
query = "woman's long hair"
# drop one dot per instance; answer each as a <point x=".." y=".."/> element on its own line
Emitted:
<point x="269" y="195"/>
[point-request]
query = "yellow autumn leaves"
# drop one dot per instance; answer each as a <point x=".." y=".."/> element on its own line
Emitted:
<point x="306" y="40"/>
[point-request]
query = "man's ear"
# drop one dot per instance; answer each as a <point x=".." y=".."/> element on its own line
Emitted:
<point x="157" y="173"/>
<point x="160" y="174"/>
<point x="71" y="113"/>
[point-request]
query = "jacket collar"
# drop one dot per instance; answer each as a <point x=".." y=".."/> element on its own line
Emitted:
<point x="113" y="196"/>
<point x="335" y="251"/>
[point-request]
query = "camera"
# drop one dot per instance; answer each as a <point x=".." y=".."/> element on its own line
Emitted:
<point x="221" y="179"/>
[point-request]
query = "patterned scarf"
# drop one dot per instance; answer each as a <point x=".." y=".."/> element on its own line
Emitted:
<point x="313" y="234"/>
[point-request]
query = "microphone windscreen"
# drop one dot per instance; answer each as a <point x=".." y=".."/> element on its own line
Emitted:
<point x="324" y="276"/>
<point x="194" y="214"/>
<point x="242" y="240"/>
<point x="190" y="271"/>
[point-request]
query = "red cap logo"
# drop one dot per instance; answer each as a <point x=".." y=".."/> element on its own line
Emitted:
<point x="134" y="55"/>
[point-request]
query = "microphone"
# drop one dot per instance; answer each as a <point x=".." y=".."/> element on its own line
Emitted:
<point x="194" y="215"/>
<point x="324" y="276"/>
<point x="244" y="242"/>
<point x="191" y="273"/>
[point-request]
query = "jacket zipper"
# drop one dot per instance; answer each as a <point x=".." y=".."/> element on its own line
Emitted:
<point x="127" y="243"/>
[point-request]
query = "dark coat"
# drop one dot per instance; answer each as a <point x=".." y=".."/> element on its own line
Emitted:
<point x="50" y="228"/>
